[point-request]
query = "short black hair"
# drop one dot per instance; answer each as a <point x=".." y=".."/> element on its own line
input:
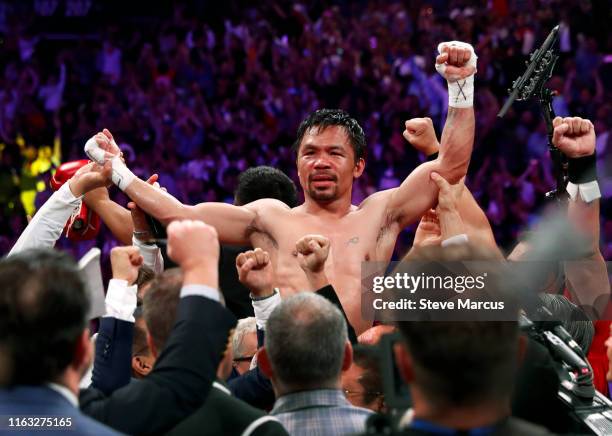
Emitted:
<point x="265" y="182"/>
<point x="43" y="311"/>
<point x="324" y="118"/>
<point x="462" y="363"/>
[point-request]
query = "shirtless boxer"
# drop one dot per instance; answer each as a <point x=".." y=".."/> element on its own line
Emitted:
<point x="330" y="154"/>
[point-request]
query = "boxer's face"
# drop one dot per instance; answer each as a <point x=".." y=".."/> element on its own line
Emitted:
<point x="326" y="164"/>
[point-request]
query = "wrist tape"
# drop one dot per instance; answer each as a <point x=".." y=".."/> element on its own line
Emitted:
<point x="460" y="90"/>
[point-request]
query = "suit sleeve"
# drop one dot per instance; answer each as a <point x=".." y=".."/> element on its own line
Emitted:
<point x="47" y="224"/>
<point x="180" y="380"/>
<point x="112" y="365"/>
<point x="329" y="293"/>
<point x="254" y="388"/>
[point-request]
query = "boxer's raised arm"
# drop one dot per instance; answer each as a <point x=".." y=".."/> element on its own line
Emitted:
<point x="423" y="138"/>
<point x="231" y="222"/>
<point x="418" y="193"/>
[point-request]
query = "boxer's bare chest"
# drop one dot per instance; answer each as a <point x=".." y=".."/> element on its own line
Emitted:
<point x="356" y="237"/>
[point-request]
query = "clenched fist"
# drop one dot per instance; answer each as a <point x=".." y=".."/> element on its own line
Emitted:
<point x="574" y="136"/>
<point x="312" y="251"/>
<point x="421" y="135"/>
<point x="125" y="262"/>
<point x="193" y="245"/>
<point x="255" y="272"/>
<point x="456" y="60"/>
<point x="457" y="64"/>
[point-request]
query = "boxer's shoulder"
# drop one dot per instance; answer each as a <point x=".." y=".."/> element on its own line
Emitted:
<point x="268" y="207"/>
<point x="376" y="200"/>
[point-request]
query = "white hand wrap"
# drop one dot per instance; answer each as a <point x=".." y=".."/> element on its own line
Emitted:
<point x="460" y="90"/>
<point x="121" y="176"/>
<point x="94" y="152"/>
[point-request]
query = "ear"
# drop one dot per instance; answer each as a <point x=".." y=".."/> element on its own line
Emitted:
<point x="347" y="360"/>
<point x="404" y="362"/>
<point x="359" y="167"/>
<point x="83" y="351"/>
<point x="141" y="365"/>
<point x="151" y="345"/>
<point x="264" y="363"/>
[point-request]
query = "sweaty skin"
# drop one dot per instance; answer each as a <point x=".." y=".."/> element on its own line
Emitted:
<point x="326" y="168"/>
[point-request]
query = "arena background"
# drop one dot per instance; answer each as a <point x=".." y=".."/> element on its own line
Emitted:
<point x="199" y="91"/>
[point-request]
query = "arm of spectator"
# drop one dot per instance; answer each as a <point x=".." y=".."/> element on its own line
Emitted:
<point x="451" y="224"/>
<point x="112" y="368"/>
<point x="254" y="388"/>
<point x="312" y="252"/>
<point x="116" y="217"/>
<point x="587" y="279"/>
<point x="231" y="222"/>
<point x="255" y="272"/>
<point x="46" y="226"/>
<point x="418" y="193"/>
<point x="184" y="371"/>
<point x="141" y="237"/>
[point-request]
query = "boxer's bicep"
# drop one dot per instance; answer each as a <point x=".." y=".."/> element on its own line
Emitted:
<point x="231" y="222"/>
<point x="415" y="196"/>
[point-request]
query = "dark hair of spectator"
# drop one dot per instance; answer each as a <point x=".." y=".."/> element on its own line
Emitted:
<point x="139" y="345"/>
<point x="324" y="118"/>
<point x="43" y="310"/>
<point x="462" y="363"/>
<point x="145" y="275"/>
<point x="468" y="362"/>
<point x="265" y="182"/>
<point x="160" y="305"/>
<point x="573" y="318"/>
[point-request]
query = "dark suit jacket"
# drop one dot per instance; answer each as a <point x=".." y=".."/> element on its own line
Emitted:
<point x="112" y="364"/>
<point x="506" y="427"/>
<point x="43" y="401"/>
<point x="254" y="388"/>
<point x="225" y="415"/>
<point x="180" y="380"/>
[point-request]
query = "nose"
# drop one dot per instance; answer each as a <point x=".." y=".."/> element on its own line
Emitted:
<point x="322" y="162"/>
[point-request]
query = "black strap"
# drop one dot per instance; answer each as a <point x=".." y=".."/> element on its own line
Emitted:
<point x="582" y="169"/>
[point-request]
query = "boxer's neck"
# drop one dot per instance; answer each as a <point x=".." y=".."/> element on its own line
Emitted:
<point x="338" y="207"/>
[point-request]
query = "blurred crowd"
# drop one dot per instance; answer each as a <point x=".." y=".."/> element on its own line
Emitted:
<point x="198" y="95"/>
<point x="222" y="322"/>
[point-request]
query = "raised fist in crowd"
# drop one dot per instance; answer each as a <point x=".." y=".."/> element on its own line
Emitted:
<point x="255" y="272"/>
<point x="312" y="252"/>
<point x="194" y="246"/>
<point x="125" y="262"/>
<point x="574" y="136"/>
<point x="421" y="135"/>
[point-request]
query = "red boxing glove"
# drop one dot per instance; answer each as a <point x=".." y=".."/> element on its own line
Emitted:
<point x="84" y="224"/>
